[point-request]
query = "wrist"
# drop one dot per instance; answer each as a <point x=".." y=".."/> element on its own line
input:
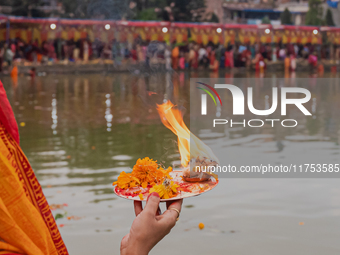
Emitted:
<point x="134" y="249"/>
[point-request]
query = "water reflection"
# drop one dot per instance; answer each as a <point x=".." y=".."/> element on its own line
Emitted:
<point x="76" y="158"/>
<point x="54" y="115"/>
<point x="83" y="130"/>
<point x="108" y="115"/>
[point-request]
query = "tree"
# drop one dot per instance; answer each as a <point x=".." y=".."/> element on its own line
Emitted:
<point x="25" y="7"/>
<point x="329" y="18"/>
<point x="97" y="9"/>
<point x="314" y="14"/>
<point x="214" y="18"/>
<point x="150" y="9"/>
<point x="286" y="17"/>
<point x="190" y="10"/>
<point x="70" y="8"/>
<point x="169" y="10"/>
<point x="107" y="9"/>
<point x="265" y="20"/>
<point x="145" y="4"/>
<point x="173" y="10"/>
<point x="147" y="14"/>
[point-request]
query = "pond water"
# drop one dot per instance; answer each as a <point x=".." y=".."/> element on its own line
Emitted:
<point x="80" y="131"/>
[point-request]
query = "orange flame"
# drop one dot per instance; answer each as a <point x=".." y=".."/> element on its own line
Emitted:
<point x="189" y="145"/>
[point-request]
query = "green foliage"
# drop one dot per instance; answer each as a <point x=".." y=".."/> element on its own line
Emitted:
<point x="286" y="17"/>
<point x="107" y="9"/>
<point x="101" y="9"/>
<point x="176" y="10"/>
<point x="214" y="18"/>
<point x="189" y="10"/>
<point x="70" y="7"/>
<point x="147" y="14"/>
<point x="145" y="4"/>
<point x="329" y="18"/>
<point x="21" y="7"/>
<point x="314" y="14"/>
<point x="265" y="20"/>
<point x="179" y="10"/>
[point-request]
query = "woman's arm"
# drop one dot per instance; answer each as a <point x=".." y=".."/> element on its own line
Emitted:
<point x="149" y="227"/>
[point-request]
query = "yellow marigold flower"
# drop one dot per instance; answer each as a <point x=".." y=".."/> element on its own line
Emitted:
<point x="167" y="189"/>
<point x="126" y="180"/>
<point x="140" y="196"/>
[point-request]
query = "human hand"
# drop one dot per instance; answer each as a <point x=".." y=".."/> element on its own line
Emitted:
<point x="149" y="226"/>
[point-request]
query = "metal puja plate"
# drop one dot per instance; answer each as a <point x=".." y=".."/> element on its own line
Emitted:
<point x="185" y="189"/>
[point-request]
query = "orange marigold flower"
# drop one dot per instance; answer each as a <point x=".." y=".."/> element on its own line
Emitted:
<point x="167" y="189"/>
<point x="126" y="180"/>
<point x="147" y="172"/>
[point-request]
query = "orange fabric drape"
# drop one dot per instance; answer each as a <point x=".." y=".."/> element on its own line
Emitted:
<point x="27" y="225"/>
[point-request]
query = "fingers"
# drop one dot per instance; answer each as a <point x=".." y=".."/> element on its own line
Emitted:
<point x="169" y="217"/>
<point x="124" y="243"/>
<point x="152" y="203"/>
<point x="138" y="207"/>
<point x="159" y="212"/>
<point x="177" y="204"/>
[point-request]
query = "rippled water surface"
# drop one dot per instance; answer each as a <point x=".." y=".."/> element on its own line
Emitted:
<point x="80" y="131"/>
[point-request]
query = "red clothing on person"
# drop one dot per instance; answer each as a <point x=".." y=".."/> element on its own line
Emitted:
<point x="195" y="60"/>
<point x="229" y="59"/>
<point x="27" y="225"/>
<point x="212" y="57"/>
<point x="7" y="116"/>
<point x="134" y="54"/>
<point x="313" y="60"/>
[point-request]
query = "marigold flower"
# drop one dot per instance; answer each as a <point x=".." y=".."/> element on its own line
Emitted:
<point x="126" y="180"/>
<point x="145" y="172"/>
<point x="201" y="226"/>
<point x="167" y="189"/>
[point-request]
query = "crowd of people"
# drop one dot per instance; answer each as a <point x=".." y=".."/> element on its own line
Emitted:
<point x="190" y="55"/>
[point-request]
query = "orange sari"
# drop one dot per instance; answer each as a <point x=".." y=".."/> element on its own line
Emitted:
<point x="27" y="225"/>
